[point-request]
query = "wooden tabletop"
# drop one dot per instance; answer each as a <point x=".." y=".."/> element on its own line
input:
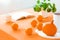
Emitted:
<point x="6" y="30"/>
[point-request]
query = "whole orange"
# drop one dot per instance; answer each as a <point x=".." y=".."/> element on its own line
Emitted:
<point x="40" y="18"/>
<point x="40" y="26"/>
<point x="34" y="23"/>
<point x="15" y="26"/>
<point x="29" y="31"/>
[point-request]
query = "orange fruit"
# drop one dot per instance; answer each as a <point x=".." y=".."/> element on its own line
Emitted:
<point x="40" y="26"/>
<point x="50" y="29"/>
<point x="40" y="18"/>
<point x="34" y="23"/>
<point x="29" y="31"/>
<point x="15" y="26"/>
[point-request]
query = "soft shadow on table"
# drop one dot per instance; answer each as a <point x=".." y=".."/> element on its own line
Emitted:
<point x="37" y="37"/>
<point x="5" y="36"/>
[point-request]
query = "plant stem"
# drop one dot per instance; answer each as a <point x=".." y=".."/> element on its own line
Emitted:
<point x="44" y="0"/>
<point x="38" y="1"/>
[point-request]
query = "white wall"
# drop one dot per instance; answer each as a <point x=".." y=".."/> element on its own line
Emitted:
<point x="57" y="2"/>
<point x="9" y="5"/>
<point x="15" y="5"/>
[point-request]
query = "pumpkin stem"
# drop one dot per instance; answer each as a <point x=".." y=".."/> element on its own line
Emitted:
<point x="52" y="21"/>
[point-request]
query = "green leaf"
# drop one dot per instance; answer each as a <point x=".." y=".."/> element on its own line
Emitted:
<point x="48" y="9"/>
<point x="37" y="8"/>
<point x="53" y="5"/>
<point x="38" y="1"/>
<point x="48" y="0"/>
<point x="45" y="6"/>
<point x="50" y="5"/>
<point x="53" y="8"/>
<point x="41" y="4"/>
<point x="44" y="0"/>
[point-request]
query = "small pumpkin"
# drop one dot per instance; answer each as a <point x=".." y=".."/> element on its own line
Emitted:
<point x="50" y="29"/>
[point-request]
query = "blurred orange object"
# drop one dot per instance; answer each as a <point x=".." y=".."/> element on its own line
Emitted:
<point x="48" y="19"/>
<point x="15" y="26"/>
<point x="6" y="36"/>
<point x="34" y="23"/>
<point x="29" y="31"/>
<point x="40" y="26"/>
<point x="9" y="22"/>
<point x="40" y="18"/>
<point x="50" y="29"/>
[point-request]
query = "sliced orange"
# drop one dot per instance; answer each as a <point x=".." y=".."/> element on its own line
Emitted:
<point x="15" y="26"/>
<point x="29" y="31"/>
<point x="40" y="26"/>
<point x="34" y="23"/>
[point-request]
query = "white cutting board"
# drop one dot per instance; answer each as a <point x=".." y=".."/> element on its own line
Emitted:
<point x="17" y="15"/>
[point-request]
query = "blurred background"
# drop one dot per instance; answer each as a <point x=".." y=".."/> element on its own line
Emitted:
<point x="13" y="5"/>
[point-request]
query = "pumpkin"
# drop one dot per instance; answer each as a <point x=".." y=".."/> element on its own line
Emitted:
<point x="34" y="23"/>
<point x="29" y="31"/>
<point x="15" y="26"/>
<point x="50" y="29"/>
<point x="40" y="26"/>
<point x="40" y="18"/>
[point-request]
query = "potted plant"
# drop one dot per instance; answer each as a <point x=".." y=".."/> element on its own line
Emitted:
<point x="45" y="7"/>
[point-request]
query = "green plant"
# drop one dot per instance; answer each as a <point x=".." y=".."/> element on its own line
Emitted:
<point x="46" y="6"/>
